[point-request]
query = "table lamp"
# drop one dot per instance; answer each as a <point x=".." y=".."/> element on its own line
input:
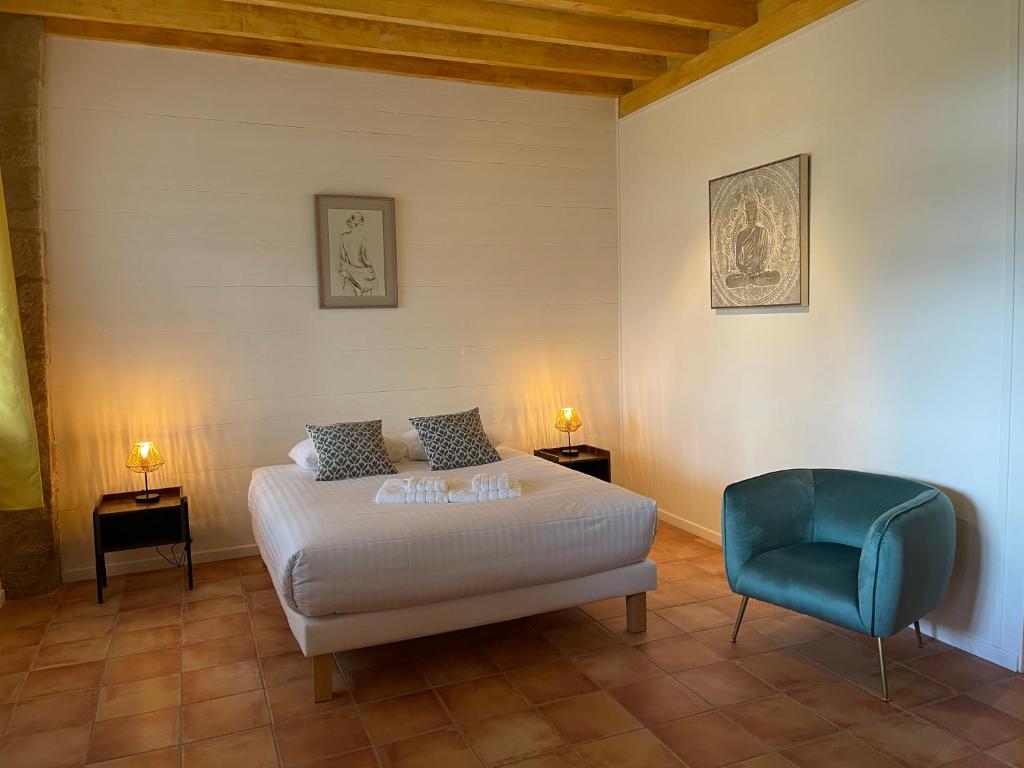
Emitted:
<point x="568" y="421"/>
<point x="145" y="458"/>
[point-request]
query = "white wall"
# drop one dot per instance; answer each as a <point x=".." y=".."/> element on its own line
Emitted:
<point x="183" y="300"/>
<point x="900" y="364"/>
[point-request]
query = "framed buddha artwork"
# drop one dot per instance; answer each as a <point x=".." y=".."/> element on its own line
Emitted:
<point x="759" y="221"/>
<point x="356" y="259"/>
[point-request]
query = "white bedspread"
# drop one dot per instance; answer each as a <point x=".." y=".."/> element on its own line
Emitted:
<point x="331" y="549"/>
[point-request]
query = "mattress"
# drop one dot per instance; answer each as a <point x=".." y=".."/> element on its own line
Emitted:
<point x="331" y="549"/>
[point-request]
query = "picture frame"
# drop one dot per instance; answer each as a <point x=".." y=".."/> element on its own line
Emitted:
<point x="759" y="227"/>
<point x="357" y="264"/>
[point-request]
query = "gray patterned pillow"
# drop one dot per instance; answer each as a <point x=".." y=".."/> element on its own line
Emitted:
<point x="355" y="449"/>
<point x="455" y="440"/>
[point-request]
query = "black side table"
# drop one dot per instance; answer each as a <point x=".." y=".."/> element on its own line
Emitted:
<point x="119" y="522"/>
<point x="596" y="462"/>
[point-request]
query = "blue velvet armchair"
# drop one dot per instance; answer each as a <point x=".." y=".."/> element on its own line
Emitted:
<point x="870" y="553"/>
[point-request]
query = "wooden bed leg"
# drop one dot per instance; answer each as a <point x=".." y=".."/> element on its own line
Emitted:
<point x="636" y="612"/>
<point x="323" y="688"/>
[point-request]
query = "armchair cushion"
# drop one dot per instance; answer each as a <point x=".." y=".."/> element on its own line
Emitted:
<point x="817" y="579"/>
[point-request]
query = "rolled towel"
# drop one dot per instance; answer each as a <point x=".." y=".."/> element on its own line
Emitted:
<point x="485" y="482"/>
<point x="395" y="491"/>
<point x="467" y="494"/>
<point x="430" y="484"/>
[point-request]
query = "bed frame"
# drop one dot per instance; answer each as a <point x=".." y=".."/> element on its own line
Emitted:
<point x="321" y="636"/>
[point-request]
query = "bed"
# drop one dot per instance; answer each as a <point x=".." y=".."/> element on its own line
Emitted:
<point x="351" y="573"/>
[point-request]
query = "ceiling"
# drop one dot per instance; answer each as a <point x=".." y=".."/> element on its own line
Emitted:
<point x="638" y="50"/>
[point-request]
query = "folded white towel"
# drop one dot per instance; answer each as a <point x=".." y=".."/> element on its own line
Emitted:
<point x="485" y="482"/>
<point x="467" y="494"/>
<point x="397" y="491"/>
<point x="415" y="484"/>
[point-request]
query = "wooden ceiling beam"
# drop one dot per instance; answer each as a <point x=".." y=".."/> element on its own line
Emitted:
<point x="521" y="22"/>
<point x="216" y="17"/>
<point x="722" y="15"/>
<point x="337" y="57"/>
<point x="774" y="27"/>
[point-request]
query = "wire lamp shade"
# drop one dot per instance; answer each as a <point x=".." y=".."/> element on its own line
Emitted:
<point x="568" y="421"/>
<point x="145" y="458"/>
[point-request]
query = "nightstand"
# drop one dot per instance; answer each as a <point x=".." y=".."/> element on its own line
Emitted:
<point x="596" y="462"/>
<point x="119" y="522"/>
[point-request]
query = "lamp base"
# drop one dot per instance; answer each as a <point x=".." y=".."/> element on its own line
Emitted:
<point x="147" y="498"/>
<point x="570" y="451"/>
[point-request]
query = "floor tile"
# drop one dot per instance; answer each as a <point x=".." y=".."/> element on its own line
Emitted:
<point x="295" y="699"/>
<point x="444" y="668"/>
<point x="219" y="588"/>
<point x="480" y="699"/>
<point x="225" y="680"/>
<point x="695" y="616"/>
<point x="618" y="667"/>
<point x="74" y="677"/>
<point x="567" y="617"/>
<point x="724" y="683"/>
<point x="270" y="642"/>
<point x="212" y="653"/>
<point x="779" y="721"/>
<point x="152" y="598"/>
<point x="403" y="716"/>
<point x="502" y="738"/>
<point x="252" y="749"/>
<point x="912" y="741"/>
<point x="668" y="595"/>
<point x="216" y="571"/>
<point x="285" y="668"/>
<point x="581" y="638"/>
<point x="844" y="704"/>
<point x="771" y="760"/>
<point x="162" y="577"/>
<point x="657" y="629"/>
<point x="786" y="670"/>
<point x="589" y="716"/>
<point x="23" y="637"/>
<point x="636" y="749"/>
<point x="148" y="618"/>
<point x="977" y="760"/>
<point x="10" y="686"/>
<point x="546" y="682"/>
<point x="141" y="666"/>
<point x="523" y="651"/>
<point x="143" y="640"/>
<point x="838" y="751"/>
<point x="305" y="739"/>
<point x="52" y="749"/>
<point x="79" y="629"/>
<point x="213" y="629"/>
<point x="1011" y="753"/>
<point x="169" y="757"/>
<point x="386" y="681"/>
<point x="958" y="670"/>
<point x="82" y="609"/>
<point x="790" y="629"/>
<point x="611" y="608"/>
<point x="78" y="652"/>
<point x="559" y="759"/>
<point x="138" y="697"/>
<point x="839" y="654"/>
<point x="907" y="688"/>
<point x="214" y="607"/>
<point x="706" y="587"/>
<point x="708" y="740"/>
<point x="433" y="750"/>
<point x="17" y="659"/>
<point x="658" y="700"/>
<point x="228" y="714"/>
<point x="138" y="733"/>
<point x="52" y="713"/>
<point x="675" y="654"/>
<point x="973" y="721"/>
<point x="1006" y="694"/>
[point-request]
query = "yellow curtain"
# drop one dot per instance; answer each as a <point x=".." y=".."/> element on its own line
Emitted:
<point x="20" y="486"/>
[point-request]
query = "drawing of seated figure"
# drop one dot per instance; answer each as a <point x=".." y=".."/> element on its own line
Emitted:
<point x="752" y="247"/>
<point x="355" y="268"/>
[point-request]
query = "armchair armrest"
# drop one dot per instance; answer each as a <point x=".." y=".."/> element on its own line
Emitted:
<point x="765" y="513"/>
<point x="906" y="563"/>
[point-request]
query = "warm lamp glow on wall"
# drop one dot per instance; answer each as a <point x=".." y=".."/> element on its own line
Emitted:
<point x="145" y="458"/>
<point x="568" y="421"/>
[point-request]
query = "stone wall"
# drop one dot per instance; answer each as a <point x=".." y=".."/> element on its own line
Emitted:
<point x="29" y="542"/>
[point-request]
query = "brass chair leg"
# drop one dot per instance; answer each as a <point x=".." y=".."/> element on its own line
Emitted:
<point x="881" y="665"/>
<point x="739" y="618"/>
<point x="917" y="631"/>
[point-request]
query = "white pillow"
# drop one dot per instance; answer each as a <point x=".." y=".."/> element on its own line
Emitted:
<point x="304" y="453"/>
<point x="417" y="452"/>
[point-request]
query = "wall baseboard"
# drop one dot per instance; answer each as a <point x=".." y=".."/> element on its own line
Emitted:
<point x="690" y="527"/>
<point x="155" y="561"/>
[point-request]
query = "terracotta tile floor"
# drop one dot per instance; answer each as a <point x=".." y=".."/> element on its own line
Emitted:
<point x="159" y="676"/>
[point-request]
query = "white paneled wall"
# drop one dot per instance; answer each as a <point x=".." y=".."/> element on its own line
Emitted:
<point x="183" y="298"/>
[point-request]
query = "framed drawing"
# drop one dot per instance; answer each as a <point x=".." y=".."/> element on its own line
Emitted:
<point x="759" y="222"/>
<point x="355" y="242"/>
